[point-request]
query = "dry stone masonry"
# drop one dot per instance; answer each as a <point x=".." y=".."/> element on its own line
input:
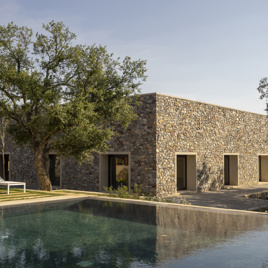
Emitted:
<point x="165" y="127"/>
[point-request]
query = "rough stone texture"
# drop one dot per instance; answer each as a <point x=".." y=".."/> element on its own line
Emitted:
<point x="258" y="195"/>
<point x="209" y="131"/>
<point x="79" y="176"/>
<point x="140" y="140"/>
<point x="165" y="126"/>
<point x="21" y="164"/>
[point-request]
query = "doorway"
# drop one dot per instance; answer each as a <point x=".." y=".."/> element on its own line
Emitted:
<point x="263" y="168"/>
<point x="185" y="171"/>
<point x="4" y="169"/>
<point x="230" y="169"/>
<point x="226" y="170"/>
<point x="118" y="171"/>
<point x="181" y="172"/>
<point x="54" y="169"/>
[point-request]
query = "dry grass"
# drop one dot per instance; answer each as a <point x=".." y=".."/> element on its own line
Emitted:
<point x="18" y="194"/>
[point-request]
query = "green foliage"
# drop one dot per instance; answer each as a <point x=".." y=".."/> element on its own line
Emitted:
<point x="64" y="97"/>
<point x="123" y="192"/>
<point x="68" y="98"/>
<point x="137" y="191"/>
<point x="263" y="89"/>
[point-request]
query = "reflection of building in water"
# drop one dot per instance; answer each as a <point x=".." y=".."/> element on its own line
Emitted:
<point x="181" y="231"/>
<point x="115" y="232"/>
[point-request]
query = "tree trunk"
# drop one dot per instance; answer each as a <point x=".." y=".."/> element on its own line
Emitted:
<point x="40" y="162"/>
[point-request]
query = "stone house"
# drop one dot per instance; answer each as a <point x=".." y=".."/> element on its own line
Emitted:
<point x="174" y="144"/>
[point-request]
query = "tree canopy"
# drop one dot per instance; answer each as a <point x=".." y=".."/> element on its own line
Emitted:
<point x="263" y="89"/>
<point x="63" y="97"/>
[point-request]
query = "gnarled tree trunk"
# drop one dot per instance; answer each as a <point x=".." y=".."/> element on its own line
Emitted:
<point x="41" y="165"/>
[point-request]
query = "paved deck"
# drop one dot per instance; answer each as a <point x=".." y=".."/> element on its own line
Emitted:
<point x="230" y="198"/>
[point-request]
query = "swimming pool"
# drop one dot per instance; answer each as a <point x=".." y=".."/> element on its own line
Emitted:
<point x="91" y="233"/>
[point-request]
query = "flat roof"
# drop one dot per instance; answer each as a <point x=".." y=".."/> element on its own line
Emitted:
<point x="166" y="95"/>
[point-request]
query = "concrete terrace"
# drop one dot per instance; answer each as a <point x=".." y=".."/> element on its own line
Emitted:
<point x="231" y="198"/>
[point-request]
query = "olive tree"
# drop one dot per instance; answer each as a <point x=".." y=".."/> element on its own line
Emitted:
<point x="63" y="97"/>
<point x="263" y="89"/>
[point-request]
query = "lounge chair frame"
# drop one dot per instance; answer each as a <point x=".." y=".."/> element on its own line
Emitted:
<point x="12" y="183"/>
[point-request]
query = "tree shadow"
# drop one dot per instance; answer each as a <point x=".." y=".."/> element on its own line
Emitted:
<point x="209" y="179"/>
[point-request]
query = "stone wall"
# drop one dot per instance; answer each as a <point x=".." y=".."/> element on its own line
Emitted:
<point x="78" y="176"/>
<point x="140" y="140"/>
<point x="166" y="126"/>
<point x="209" y="131"/>
<point x="21" y="164"/>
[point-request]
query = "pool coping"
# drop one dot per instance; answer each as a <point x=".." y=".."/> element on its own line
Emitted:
<point x="72" y="197"/>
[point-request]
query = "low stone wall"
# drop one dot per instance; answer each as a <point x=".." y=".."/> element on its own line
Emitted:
<point x="258" y="195"/>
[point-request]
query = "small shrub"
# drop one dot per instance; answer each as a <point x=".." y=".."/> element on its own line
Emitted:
<point x="109" y="191"/>
<point x="122" y="192"/>
<point x="137" y="191"/>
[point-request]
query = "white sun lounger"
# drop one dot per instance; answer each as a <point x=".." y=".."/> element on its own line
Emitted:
<point x="12" y="183"/>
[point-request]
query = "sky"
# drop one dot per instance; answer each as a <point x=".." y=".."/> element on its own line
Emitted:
<point x="212" y="51"/>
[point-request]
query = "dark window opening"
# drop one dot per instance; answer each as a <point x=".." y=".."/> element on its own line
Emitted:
<point x="260" y="169"/>
<point x="181" y="172"/>
<point x="226" y="170"/>
<point x="54" y="169"/>
<point x="4" y="169"/>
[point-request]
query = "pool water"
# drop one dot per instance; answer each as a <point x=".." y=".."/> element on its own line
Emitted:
<point x="92" y="233"/>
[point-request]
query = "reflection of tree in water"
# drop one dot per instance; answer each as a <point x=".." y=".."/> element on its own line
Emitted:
<point x="64" y="238"/>
<point x="94" y="234"/>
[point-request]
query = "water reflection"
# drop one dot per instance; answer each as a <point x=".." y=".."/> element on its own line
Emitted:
<point x="181" y="232"/>
<point x="107" y="234"/>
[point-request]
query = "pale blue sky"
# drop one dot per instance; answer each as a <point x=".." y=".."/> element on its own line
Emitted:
<point x="208" y="50"/>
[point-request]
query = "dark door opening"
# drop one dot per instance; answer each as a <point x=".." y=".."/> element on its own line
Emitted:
<point x="54" y="169"/>
<point x="260" y="168"/>
<point x="181" y="172"/>
<point x="4" y="170"/>
<point x="118" y="171"/>
<point x="263" y="168"/>
<point x="226" y="170"/>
